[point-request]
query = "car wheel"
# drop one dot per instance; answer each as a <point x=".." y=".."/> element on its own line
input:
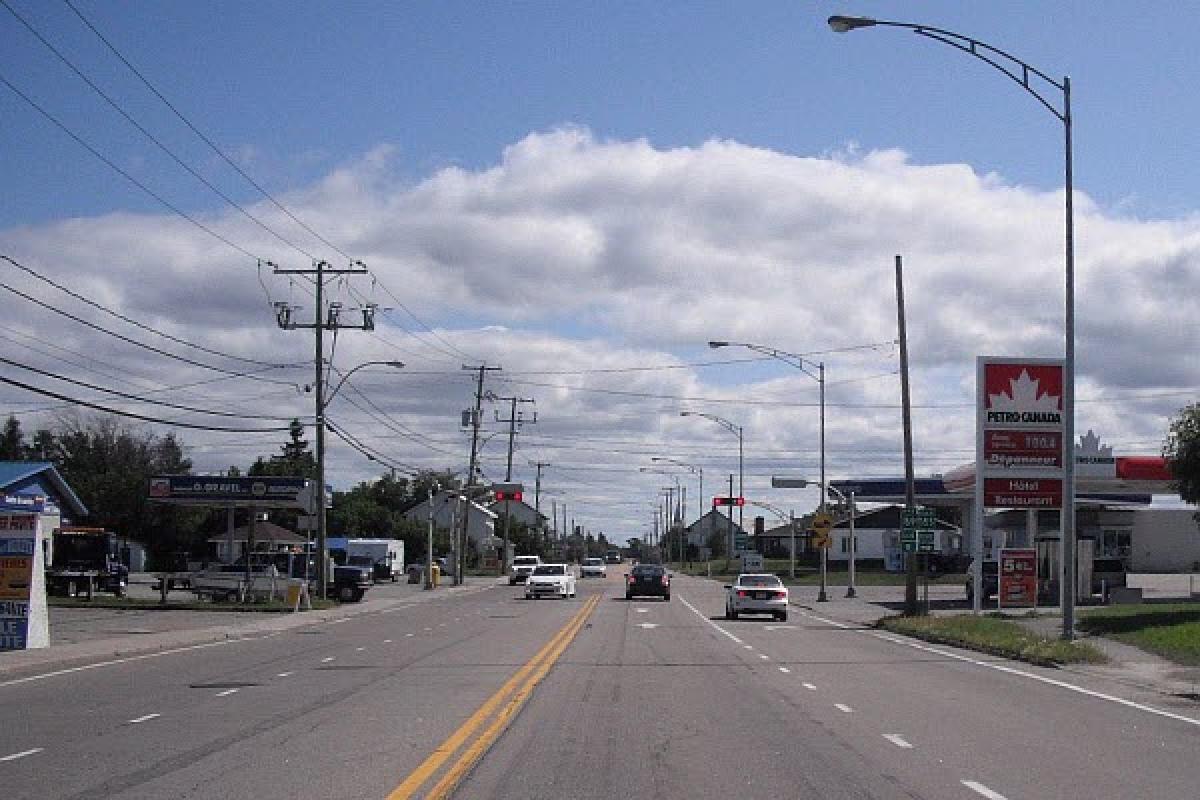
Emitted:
<point x="667" y="597"/>
<point x="628" y="596"/>
<point x="783" y="617"/>
<point x="733" y="614"/>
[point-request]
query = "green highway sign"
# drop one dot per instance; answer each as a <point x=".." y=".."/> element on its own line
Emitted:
<point x="926" y="542"/>
<point x="741" y="541"/>
<point x="908" y="547"/>
<point x="918" y="517"/>
<point x="908" y="536"/>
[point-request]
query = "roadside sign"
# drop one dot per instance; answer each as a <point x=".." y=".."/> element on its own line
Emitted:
<point x="822" y="522"/>
<point x="918" y="518"/>
<point x="24" y="619"/>
<point x="264" y="490"/>
<point x="1018" y="577"/>
<point x="822" y="540"/>
<point x="926" y="542"/>
<point x="741" y="541"/>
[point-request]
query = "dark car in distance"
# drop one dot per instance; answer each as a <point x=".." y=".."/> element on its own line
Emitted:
<point x="648" y="580"/>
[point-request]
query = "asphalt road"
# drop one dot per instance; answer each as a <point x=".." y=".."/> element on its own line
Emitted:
<point x="488" y="695"/>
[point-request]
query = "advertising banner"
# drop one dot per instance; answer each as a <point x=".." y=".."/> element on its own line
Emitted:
<point x="264" y="491"/>
<point x="1019" y="433"/>
<point x="1018" y="577"/>
<point x="23" y="612"/>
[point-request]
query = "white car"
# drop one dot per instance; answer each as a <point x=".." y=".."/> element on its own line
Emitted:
<point x="521" y="568"/>
<point x="756" y="593"/>
<point x="593" y="568"/>
<point x="550" y="580"/>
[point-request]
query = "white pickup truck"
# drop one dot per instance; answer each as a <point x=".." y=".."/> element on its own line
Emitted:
<point x="522" y="567"/>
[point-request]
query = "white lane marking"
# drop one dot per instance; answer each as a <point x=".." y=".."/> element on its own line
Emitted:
<point x="779" y="627"/>
<point x="441" y="624"/>
<point x="327" y="659"/>
<point x="1018" y="672"/>
<point x="22" y="754"/>
<point x="387" y="641"/>
<point x="642" y="610"/>
<point x="97" y="665"/>
<point x="646" y="625"/>
<point x="359" y="649"/>
<point x="976" y="786"/>
<point x="809" y="686"/>
<point x="748" y="646"/>
<point x="429" y="629"/>
<point x="763" y="656"/>
<point x="845" y="709"/>
<point x="409" y="634"/>
<point x="227" y="692"/>
<point x="784" y="670"/>
<point x="338" y="621"/>
<point x="696" y="611"/>
<point x="284" y="674"/>
<point x="144" y="718"/>
<point x="897" y="740"/>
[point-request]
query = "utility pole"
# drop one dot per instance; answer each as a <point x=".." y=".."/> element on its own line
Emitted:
<point x="514" y="418"/>
<point x="537" y="495"/>
<point x="910" y="500"/>
<point x="472" y="418"/>
<point x="323" y="319"/>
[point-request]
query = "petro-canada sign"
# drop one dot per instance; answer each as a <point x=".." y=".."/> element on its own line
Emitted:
<point x="1019" y="433"/>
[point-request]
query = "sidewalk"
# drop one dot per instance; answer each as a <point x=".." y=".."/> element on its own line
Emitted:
<point x="1128" y="666"/>
<point x="234" y="625"/>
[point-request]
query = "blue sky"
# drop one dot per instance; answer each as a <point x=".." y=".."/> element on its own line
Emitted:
<point x="305" y="86"/>
<point x="561" y="187"/>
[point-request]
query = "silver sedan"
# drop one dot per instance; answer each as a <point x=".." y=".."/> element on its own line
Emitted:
<point x="757" y="593"/>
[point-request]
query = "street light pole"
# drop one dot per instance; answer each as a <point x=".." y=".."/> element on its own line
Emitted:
<point x="1021" y="73"/>
<point x="737" y="431"/>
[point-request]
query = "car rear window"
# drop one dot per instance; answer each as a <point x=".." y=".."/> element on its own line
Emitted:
<point x="759" y="580"/>
<point x="550" y="569"/>
<point x="593" y="562"/>
<point x="648" y="570"/>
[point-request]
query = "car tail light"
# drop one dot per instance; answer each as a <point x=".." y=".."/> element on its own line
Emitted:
<point x="666" y="581"/>
<point x="782" y="594"/>
<point x="632" y="579"/>
<point x="741" y="593"/>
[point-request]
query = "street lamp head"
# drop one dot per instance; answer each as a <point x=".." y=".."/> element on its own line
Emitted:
<point x="686" y="413"/>
<point x="715" y="345"/>
<point x="840" y="24"/>
<point x="395" y="364"/>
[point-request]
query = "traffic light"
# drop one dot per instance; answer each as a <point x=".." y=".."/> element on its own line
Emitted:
<point x="729" y="501"/>
<point x="501" y="496"/>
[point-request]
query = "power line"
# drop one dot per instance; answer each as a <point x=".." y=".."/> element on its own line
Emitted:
<point x="116" y="107"/>
<point x="136" y="343"/>
<point x="131" y="415"/>
<point x="135" y="323"/>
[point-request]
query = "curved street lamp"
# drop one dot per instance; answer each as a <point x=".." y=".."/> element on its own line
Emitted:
<point x="323" y="400"/>
<point x="1026" y="76"/>
<point x="737" y="431"/>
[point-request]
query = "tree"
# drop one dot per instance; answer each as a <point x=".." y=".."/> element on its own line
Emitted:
<point x="1182" y="451"/>
<point x="294" y="460"/>
<point x="12" y="441"/>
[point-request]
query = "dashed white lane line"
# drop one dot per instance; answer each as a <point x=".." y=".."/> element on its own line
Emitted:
<point x="98" y="665"/>
<point x="1014" y="671"/>
<point x="327" y="659"/>
<point x="387" y="641"/>
<point x="407" y="635"/>
<point x="22" y="754"/>
<point x="809" y="686"/>
<point x="976" y="786"/>
<point x="285" y="674"/>
<point x="763" y="656"/>
<point x="748" y="647"/>
<point x="784" y="670"/>
<point x="698" y="613"/>
<point x="227" y="692"/>
<point x="898" y="740"/>
<point x="429" y="629"/>
<point x="144" y="718"/>
<point x="845" y="709"/>
<point x="359" y="649"/>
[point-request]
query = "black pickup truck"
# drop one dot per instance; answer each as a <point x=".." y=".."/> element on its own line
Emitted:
<point x="351" y="581"/>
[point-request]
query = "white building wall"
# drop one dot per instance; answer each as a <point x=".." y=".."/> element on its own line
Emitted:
<point x="1165" y="540"/>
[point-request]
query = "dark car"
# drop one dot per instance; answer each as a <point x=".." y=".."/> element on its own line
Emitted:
<point x="648" y="580"/>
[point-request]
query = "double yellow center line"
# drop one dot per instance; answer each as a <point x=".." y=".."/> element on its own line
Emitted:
<point x="496" y="713"/>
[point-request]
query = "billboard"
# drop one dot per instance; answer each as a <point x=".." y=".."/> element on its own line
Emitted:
<point x="264" y="491"/>
<point x="1019" y="453"/>
<point x="23" y="614"/>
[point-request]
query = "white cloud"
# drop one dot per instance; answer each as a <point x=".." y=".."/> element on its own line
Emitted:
<point x="573" y="253"/>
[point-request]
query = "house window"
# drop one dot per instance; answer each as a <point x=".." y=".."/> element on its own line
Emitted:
<point x="846" y="544"/>
<point x="1117" y="543"/>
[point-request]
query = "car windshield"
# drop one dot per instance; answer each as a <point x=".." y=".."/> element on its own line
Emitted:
<point x="759" y="580"/>
<point x="592" y="562"/>
<point x="525" y="561"/>
<point x="550" y="569"/>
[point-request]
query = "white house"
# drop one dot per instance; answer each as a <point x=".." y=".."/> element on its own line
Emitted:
<point x="448" y="508"/>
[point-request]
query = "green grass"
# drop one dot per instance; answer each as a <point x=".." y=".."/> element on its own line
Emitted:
<point x="147" y="604"/>
<point x="1170" y="630"/>
<point x="995" y="635"/>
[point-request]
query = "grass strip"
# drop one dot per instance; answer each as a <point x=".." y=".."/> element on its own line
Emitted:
<point x="996" y="636"/>
<point x="1168" y="630"/>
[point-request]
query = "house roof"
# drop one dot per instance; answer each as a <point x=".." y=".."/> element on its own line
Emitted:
<point x="724" y="520"/>
<point x="498" y="505"/>
<point x="263" y="532"/>
<point x="14" y="475"/>
<point x="441" y="498"/>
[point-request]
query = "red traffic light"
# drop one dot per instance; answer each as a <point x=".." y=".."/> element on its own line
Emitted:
<point x="513" y="496"/>
<point x="729" y="501"/>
